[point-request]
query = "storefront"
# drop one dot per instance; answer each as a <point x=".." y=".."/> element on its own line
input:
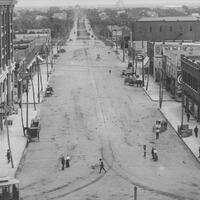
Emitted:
<point x="191" y="86"/>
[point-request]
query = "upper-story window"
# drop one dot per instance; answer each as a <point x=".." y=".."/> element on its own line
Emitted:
<point x="190" y="27"/>
<point x="170" y="28"/>
<point x="160" y="28"/>
<point x="150" y="29"/>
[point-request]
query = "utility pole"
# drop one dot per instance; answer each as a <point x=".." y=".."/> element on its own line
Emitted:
<point x="33" y="91"/>
<point x="182" y="101"/>
<point x="161" y="90"/>
<point x="123" y="45"/>
<point x="135" y="193"/>
<point x="38" y="75"/>
<point x="22" y="119"/>
<point x="143" y="70"/>
<point x="8" y="135"/>
<point x="147" y="85"/>
<point x="27" y="105"/>
<point x="47" y="60"/>
<point x="41" y="79"/>
<point x="116" y="41"/>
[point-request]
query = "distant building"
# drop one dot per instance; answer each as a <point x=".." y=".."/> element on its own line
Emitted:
<point x="103" y="15"/>
<point x="191" y="85"/>
<point x="39" y="31"/>
<point x="178" y="8"/>
<point x="60" y="15"/>
<point x="40" y="17"/>
<point x="121" y="12"/>
<point x="195" y="15"/>
<point x="166" y="28"/>
<point x="151" y="13"/>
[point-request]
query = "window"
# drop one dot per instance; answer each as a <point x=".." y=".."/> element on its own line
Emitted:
<point x="190" y="27"/>
<point x="160" y="28"/>
<point x="170" y="28"/>
<point x="150" y="29"/>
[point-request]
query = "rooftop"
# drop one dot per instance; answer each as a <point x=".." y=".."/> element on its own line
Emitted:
<point x="168" y="19"/>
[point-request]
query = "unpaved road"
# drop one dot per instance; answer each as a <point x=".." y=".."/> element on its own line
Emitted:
<point x="92" y="114"/>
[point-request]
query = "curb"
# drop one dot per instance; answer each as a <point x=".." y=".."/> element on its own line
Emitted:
<point x="154" y="99"/>
<point x="179" y="136"/>
<point x="22" y="158"/>
<point x="27" y="143"/>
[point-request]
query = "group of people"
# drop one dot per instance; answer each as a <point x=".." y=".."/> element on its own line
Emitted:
<point x="65" y="162"/>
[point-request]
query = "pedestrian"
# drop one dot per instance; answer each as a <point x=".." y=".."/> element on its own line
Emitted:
<point x="152" y="152"/>
<point x="101" y="166"/>
<point x="145" y="151"/>
<point x="199" y="152"/>
<point x="157" y="133"/>
<point x="196" y="131"/>
<point x="188" y="116"/>
<point x="8" y="155"/>
<point x="155" y="155"/>
<point x="63" y="162"/>
<point x="109" y="71"/>
<point x="67" y="161"/>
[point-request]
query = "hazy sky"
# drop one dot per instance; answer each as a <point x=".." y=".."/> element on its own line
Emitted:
<point x="99" y="2"/>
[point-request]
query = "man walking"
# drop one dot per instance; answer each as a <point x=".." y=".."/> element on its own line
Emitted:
<point x="101" y="166"/>
<point x="196" y="131"/>
<point x="188" y="116"/>
<point x="157" y="133"/>
<point x="8" y="155"/>
<point x="67" y="161"/>
<point x="152" y="153"/>
<point x="145" y="150"/>
<point x="63" y="162"/>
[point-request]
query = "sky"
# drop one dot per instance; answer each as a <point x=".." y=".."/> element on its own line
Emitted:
<point x="39" y="3"/>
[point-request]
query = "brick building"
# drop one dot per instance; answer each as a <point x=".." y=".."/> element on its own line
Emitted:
<point x="166" y="28"/>
<point x="7" y="65"/>
<point x="191" y="84"/>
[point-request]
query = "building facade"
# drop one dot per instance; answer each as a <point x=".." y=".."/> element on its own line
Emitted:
<point x="166" y="28"/>
<point x="191" y="85"/>
<point x="7" y="65"/>
<point x="167" y="61"/>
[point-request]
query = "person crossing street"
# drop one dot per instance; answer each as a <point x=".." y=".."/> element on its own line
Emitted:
<point x="101" y="166"/>
<point x="196" y="131"/>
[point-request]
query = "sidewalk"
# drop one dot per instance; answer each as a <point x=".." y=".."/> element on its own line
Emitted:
<point x="172" y="112"/>
<point x="17" y="140"/>
<point x="153" y="90"/>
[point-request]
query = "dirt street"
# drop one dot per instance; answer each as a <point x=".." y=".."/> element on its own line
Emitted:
<point x="93" y="115"/>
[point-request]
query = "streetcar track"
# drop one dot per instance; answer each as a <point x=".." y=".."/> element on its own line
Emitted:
<point x="111" y="168"/>
<point x="126" y="178"/>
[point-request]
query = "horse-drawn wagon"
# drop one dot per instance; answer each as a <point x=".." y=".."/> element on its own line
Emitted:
<point x="34" y="130"/>
<point x="132" y="80"/>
